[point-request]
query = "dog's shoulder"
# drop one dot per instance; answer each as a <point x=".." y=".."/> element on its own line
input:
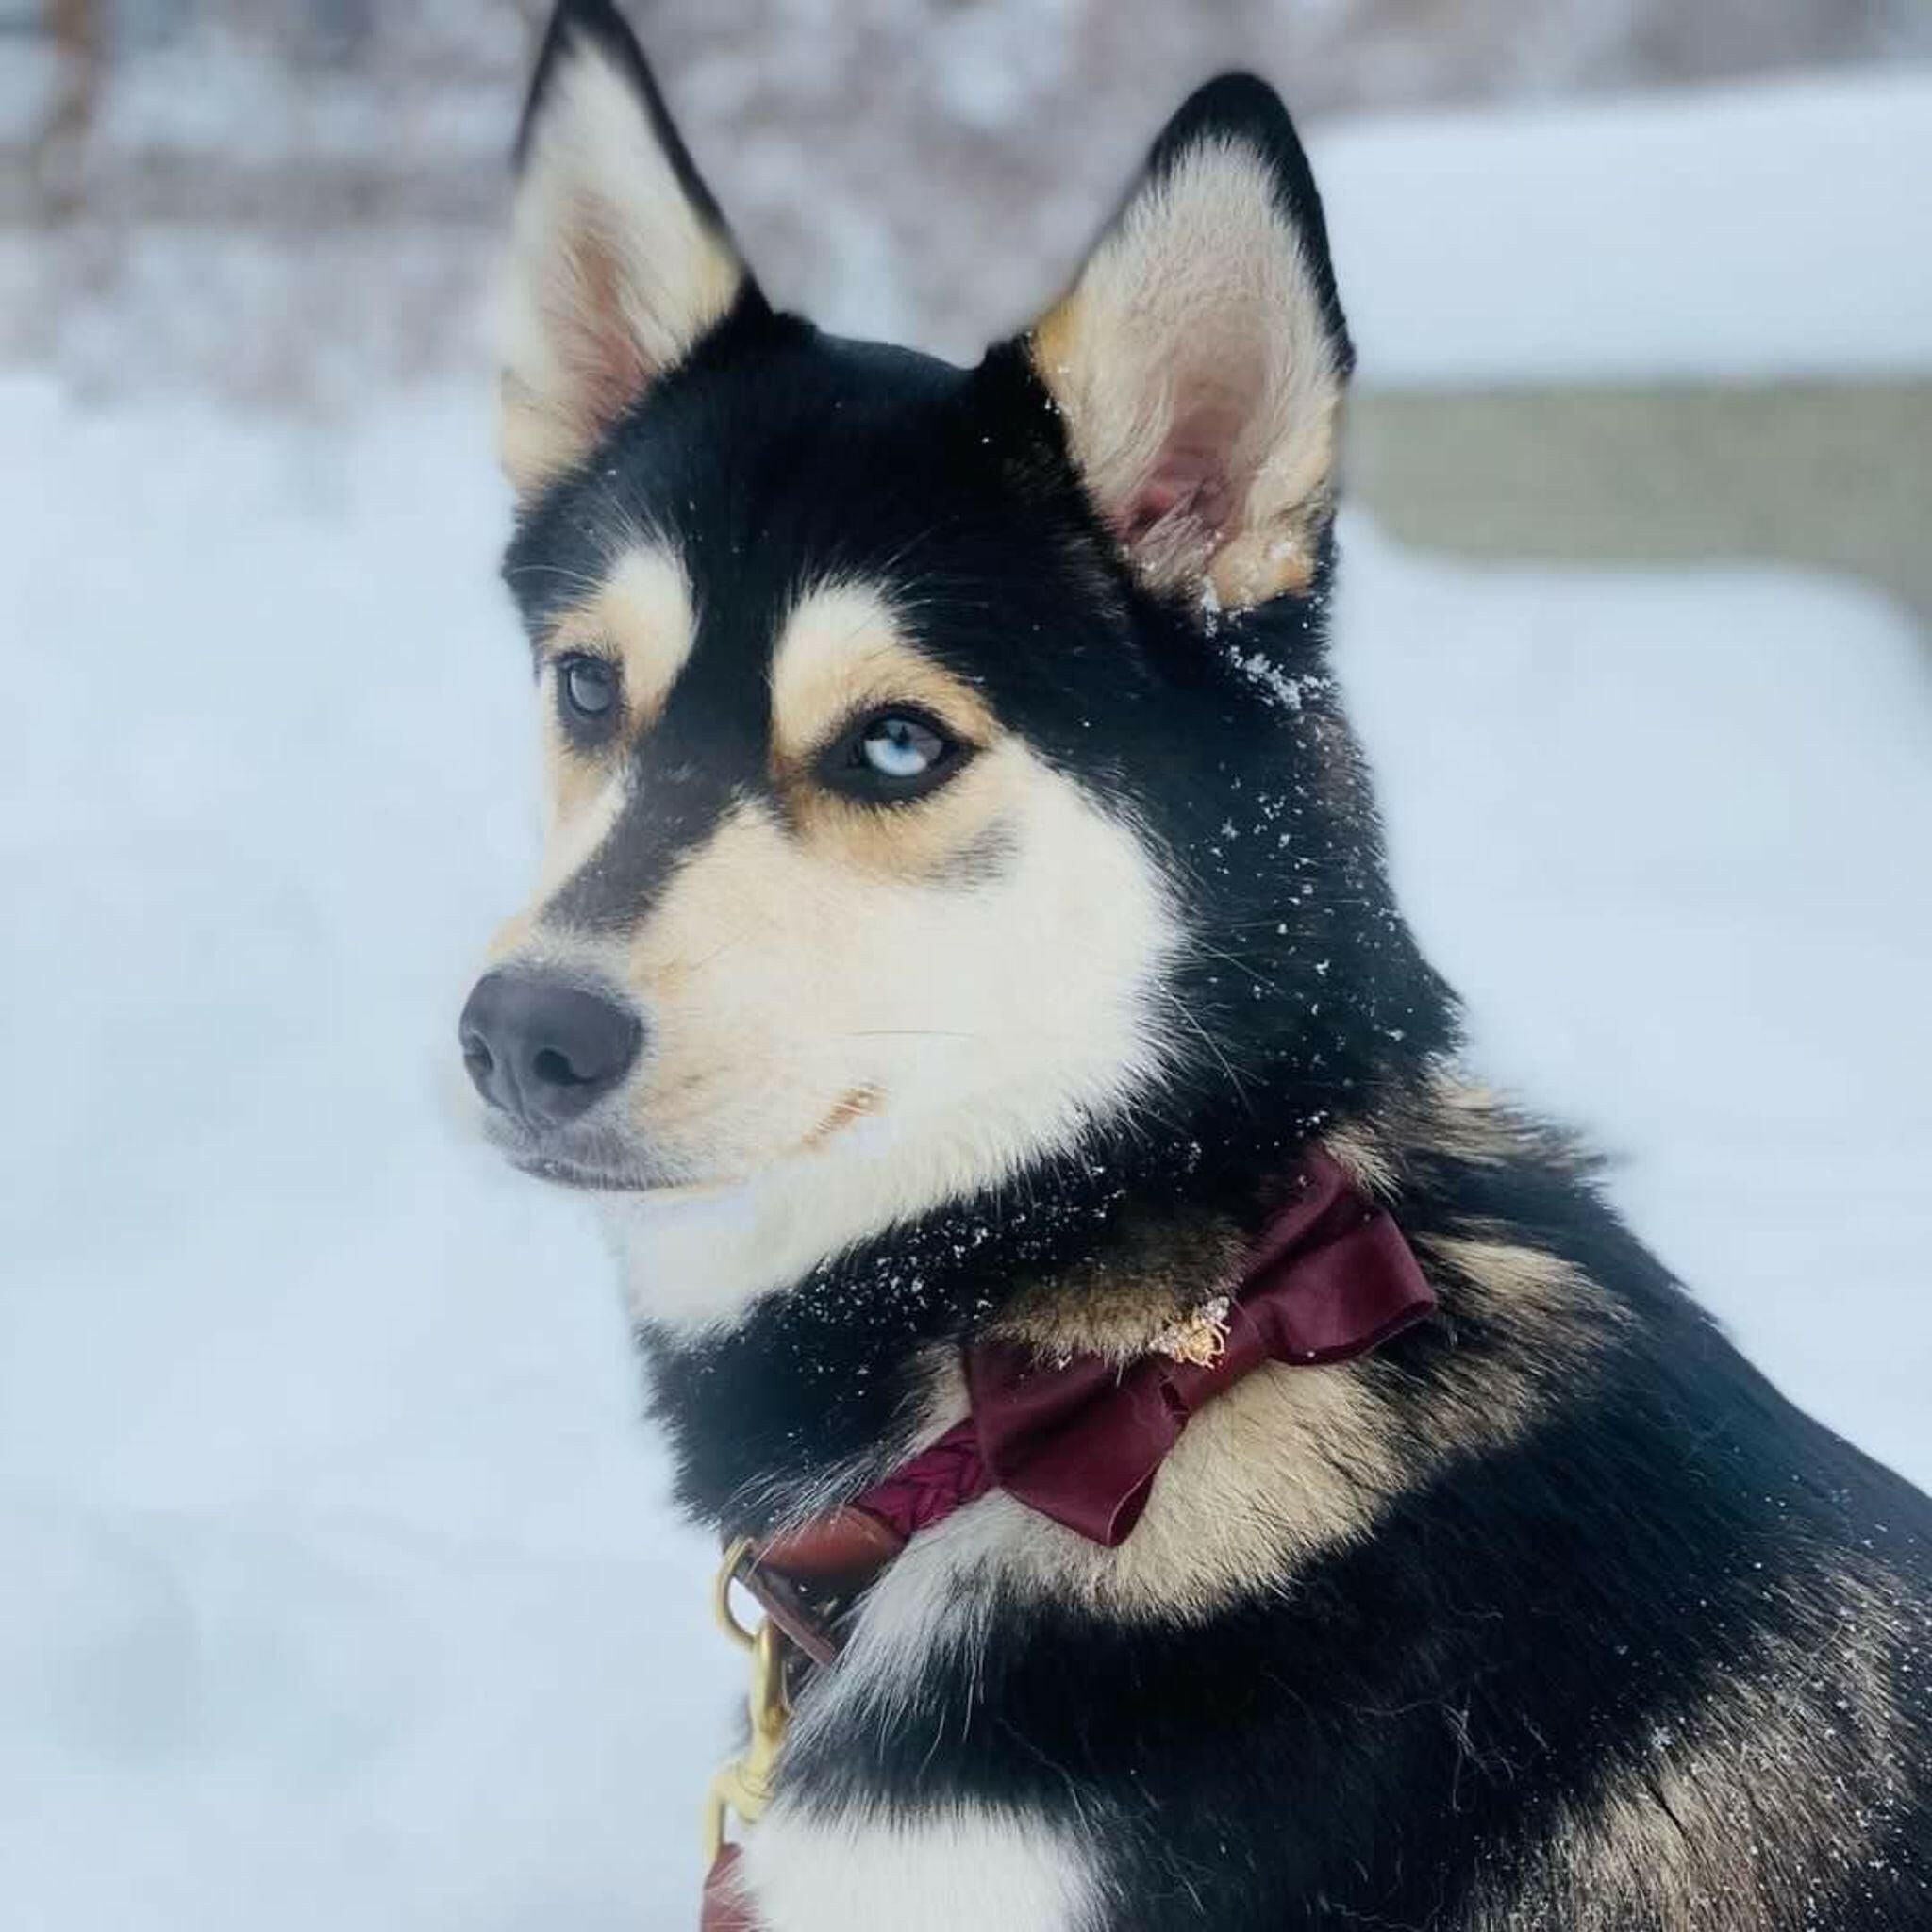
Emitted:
<point x="1554" y="1613"/>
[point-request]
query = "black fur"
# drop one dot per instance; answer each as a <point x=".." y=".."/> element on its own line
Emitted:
<point x="1413" y="1718"/>
<point x="779" y="456"/>
<point x="1411" y="1715"/>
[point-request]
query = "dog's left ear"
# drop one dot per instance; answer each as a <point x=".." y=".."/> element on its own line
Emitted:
<point x="1200" y="357"/>
<point x="619" y="260"/>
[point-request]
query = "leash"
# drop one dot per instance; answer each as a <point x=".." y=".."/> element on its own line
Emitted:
<point x="843" y="1552"/>
<point x="1079" y="1439"/>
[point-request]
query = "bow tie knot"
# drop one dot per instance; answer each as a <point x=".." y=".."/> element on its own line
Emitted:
<point x="1081" y="1439"/>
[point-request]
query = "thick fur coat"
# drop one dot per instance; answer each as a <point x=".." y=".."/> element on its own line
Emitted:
<point x="963" y="902"/>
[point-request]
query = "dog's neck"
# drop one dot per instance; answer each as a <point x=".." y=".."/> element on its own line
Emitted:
<point x="823" y="1384"/>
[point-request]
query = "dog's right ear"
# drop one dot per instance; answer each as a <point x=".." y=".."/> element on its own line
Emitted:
<point x="620" y="260"/>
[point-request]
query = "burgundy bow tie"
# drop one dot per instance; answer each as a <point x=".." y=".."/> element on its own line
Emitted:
<point x="1081" y="1439"/>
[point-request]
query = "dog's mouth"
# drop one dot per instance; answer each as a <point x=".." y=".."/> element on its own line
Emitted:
<point x="592" y="1180"/>
<point x="598" y="1163"/>
<point x="584" y="1172"/>
<point x="566" y="1173"/>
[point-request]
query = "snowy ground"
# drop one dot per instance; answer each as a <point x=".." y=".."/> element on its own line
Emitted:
<point x="339" y="1587"/>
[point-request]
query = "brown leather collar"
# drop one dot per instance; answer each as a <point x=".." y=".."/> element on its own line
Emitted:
<point x="800" y="1577"/>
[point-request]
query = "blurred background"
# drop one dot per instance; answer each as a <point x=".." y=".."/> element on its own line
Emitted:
<point x="336" y="1582"/>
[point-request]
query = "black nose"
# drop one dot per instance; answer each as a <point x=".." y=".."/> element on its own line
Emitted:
<point x="543" y="1049"/>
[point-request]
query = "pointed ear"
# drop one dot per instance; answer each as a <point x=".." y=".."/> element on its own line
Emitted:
<point x="1200" y="357"/>
<point x="620" y="260"/>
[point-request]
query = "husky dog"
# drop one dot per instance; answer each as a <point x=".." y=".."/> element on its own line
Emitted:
<point x="962" y="905"/>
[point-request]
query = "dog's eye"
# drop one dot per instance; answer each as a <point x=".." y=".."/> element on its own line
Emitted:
<point x="893" y="754"/>
<point x="588" y="687"/>
<point x="897" y="746"/>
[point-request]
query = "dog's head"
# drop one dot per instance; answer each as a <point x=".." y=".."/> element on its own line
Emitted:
<point x="942" y="768"/>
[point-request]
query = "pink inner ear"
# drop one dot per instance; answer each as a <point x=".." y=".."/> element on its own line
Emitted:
<point x="1190" y="478"/>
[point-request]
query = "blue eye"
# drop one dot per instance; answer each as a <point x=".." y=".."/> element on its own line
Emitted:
<point x="897" y="746"/>
<point x="890" y="756"/>
<point x="589" y="685"/>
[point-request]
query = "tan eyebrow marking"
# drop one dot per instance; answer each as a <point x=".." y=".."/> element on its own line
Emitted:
<point x="843" y="648"/>
<point x="641" y="617"/>
<point x="843" y="652"/>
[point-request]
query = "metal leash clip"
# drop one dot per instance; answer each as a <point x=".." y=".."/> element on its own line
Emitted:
<point x="743" y="1786"/>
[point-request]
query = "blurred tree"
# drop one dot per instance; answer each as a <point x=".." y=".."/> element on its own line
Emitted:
<point x="332" y="128"/>
<point x="57" y="150"/>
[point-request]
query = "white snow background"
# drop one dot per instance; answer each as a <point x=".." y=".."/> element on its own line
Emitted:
<point x="337" y="1587"/>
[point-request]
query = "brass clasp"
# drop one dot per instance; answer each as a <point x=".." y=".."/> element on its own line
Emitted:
<point x="743" y="1786"/>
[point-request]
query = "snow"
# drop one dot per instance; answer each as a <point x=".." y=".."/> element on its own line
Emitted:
<point x="341" y="1589"/>
<point x="339" y="1586"/>
<point x="1668" y="835"/>
<point x="1733" y="234"/>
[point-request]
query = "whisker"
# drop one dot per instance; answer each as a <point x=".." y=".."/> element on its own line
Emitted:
<point x="904" y="1033"/>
